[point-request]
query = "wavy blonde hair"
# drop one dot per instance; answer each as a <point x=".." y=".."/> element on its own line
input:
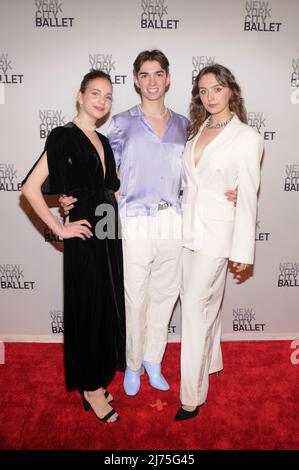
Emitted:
<point x="198" y="113"/>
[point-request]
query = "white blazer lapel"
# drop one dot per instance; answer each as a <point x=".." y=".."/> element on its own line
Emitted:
<point x="226" y="135"/>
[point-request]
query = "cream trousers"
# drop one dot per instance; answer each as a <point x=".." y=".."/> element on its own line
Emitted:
<point x="152" y="278"/>
<point x="201" y="296"/>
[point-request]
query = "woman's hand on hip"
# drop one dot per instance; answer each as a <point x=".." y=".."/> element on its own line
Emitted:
<point x="240" y="267"/>
<point x="78" y="229"/>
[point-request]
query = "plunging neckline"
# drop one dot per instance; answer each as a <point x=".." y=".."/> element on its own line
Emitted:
<point x="207" y="145"/>
<point x="94" y="147"/>
<point x="200" y="156"/>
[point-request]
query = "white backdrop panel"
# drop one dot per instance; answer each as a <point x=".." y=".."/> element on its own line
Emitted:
<point x="40" y="70"/>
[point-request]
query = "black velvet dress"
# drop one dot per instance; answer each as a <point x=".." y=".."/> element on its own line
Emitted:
<point x="94" y="311"/>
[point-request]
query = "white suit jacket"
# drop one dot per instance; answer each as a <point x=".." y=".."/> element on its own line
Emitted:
<point x="211" y="224"/>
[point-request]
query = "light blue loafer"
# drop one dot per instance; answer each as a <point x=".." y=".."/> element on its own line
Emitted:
<point x="155" y="377"/>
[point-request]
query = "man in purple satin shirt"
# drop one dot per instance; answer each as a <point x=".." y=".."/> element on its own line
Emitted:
<point x="148" y="142"/>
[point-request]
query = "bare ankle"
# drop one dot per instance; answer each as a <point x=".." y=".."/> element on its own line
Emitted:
<point x="94" y="393"/>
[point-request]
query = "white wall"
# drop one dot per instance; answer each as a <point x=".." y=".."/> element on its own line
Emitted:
<point x="44" y="65"/>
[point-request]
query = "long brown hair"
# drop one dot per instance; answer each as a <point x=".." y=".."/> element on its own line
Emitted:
<point x="198" y="113"/>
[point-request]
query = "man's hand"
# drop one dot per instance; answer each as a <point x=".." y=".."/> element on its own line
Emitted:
<point x="232" y="195"/>
<point x="67" y="203"/>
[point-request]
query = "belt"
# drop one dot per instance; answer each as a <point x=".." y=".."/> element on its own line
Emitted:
<point x="163" y="205"/>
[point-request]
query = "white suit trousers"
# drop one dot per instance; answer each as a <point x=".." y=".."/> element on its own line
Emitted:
<point x="152" y="278"/>
<point x="201" y="296"/>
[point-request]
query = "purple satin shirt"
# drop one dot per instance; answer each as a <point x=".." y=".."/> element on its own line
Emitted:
<point x="150" y="168"/>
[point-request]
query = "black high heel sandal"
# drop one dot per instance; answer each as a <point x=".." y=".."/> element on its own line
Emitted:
<point x="87" y="407"/>
<point x="106" y="395"/>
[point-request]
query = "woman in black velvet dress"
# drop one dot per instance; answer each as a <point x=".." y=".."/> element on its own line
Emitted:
<point x="78" y="161"/>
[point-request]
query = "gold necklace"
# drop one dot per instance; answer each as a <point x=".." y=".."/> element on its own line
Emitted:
<point x="155" y="117"/>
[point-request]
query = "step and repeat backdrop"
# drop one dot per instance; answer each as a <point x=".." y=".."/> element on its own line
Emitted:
<point x="46" y="46"/>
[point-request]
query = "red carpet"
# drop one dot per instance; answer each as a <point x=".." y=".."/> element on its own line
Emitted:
<point x="252" y="404"/>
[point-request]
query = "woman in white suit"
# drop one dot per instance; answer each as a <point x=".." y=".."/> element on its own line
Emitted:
<point x="222" y="152"/>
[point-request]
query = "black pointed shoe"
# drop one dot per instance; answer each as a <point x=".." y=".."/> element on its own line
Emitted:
<point x="184" y="414"/>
